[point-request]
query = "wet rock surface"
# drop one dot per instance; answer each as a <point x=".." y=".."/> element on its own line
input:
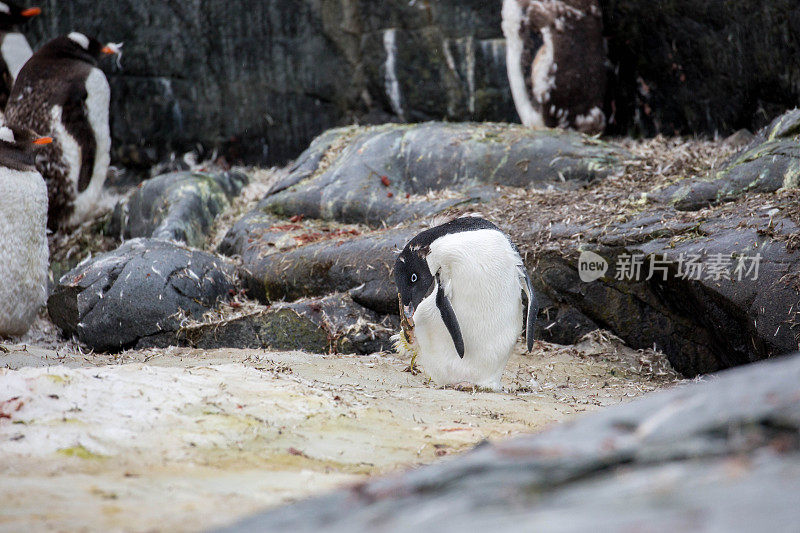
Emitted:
<point x="724" y="454"/>
<point x="332" y="324"/>
<point x="178" y="206"/>
<point x="142" y="288"/>
<point x="385" y="174"/>
<point x="738" y="305"/>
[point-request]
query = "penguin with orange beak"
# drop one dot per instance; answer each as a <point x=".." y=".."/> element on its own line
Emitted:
<point x="62" y="93"/>
<point x="23" y="235"/>
<point x="14" y="48"/>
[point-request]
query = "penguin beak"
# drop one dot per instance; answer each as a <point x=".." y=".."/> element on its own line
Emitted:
<point x="110" y="50"/>
<point x="43" y="140"/>
<point x="31" y="12"/>
<point x="406" y="317"/>
<point x="408" y="314"/>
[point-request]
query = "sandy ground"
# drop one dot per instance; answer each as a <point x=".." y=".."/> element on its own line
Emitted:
<point x="181" y="439"/>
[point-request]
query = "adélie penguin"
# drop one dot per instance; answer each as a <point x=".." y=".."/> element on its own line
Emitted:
<point x="62" y="93"/>
<point x="14" y="48"/>
<point x="23" y="236"/>
<point x="460" y="288"/>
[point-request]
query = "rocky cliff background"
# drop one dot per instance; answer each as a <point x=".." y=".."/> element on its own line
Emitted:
<point x="259" y="79"/>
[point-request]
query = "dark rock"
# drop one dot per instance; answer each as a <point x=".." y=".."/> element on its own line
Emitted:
<point x="260" y="80"/>
<point x="364" y="175"/>
<point x="142" y="288"/>
<point x="281" y="260"/>
<point x="271" y="232"/>
<point x="336" y="260"/>
<point x="180" y="206"/>
<point x="333" y="324"/>
<point x="561" y="323"/>
<point x="682" y="67"/>
<point x="704" y="324"/>
<point x="771" y="161"/>
<point x="712" y="456"/>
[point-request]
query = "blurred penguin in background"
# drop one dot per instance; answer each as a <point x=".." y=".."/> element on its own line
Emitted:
<point x="14" y="48"/>
<point x="62" y="93"/>
<point x="562" y="83"/>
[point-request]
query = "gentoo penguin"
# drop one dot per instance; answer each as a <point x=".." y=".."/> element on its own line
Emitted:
<point x="563" y="85"/>
<point x="60" y="92"/>
<point x="23" y="236"/>
<point x="460" y="287"/>
<point x="14" y="47"/>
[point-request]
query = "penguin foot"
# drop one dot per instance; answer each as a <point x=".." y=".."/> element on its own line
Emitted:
<point x="412" y="366"/>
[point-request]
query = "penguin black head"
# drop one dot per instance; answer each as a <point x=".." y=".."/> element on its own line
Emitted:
<point x="77" y="45"/>
<point x="18" y="147"/>
<point x="13" y="15"/>
<point x="411" y="272"/>
<point x="412" y="276"/>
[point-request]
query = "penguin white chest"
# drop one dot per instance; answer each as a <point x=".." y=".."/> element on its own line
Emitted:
<point x="23" y="245"/>
<point x="97" y="112"/>
<point x="480" y="277"/>
<point x="16" y="52"/>
<point x="70" y="149"/>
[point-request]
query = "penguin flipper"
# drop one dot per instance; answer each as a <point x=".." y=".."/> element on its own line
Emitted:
<point x="76" y="121"/>
<point x="533" y="305"/>
<point x="449" y="317"/>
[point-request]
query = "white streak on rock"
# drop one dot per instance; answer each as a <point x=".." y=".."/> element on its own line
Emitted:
<point x="390" y="77"/>
<point x="469" y="54"/>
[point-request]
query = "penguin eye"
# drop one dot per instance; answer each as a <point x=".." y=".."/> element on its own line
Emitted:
<point x="413" y="278"/>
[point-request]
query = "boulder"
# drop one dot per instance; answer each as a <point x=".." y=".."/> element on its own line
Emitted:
<point x="719" y="455"/>
<point x="316" y="263"/>
<point x="179" y="206"/>
<point x="711" y="292"/>
<point x="771" y="161"/>
<point x="386" y="174"/>
<point x="333" y="324"/>
<point x="142" y="288"/>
